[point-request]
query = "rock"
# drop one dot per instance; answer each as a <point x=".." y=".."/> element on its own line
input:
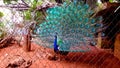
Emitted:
<point x="52" y="57"/>
<point x="16" y="62"/>
<point x="26" y="64"/>
<point x="19" y="62"/>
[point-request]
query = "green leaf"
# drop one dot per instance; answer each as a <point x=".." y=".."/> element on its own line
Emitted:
<point x="27" y="15"/>
<point x="111" y="1"/>
<point x="6" y="1"/>
<point x="1" y="25"/>
<point x="1" y="14"/>
<point x="67" y="1"/>
<point x="34" y="4"/>
<point x="39" y="16"/>
<point x="39" y="3"/>
<point x="2" y="34"/>
<point x="9" y="1"/>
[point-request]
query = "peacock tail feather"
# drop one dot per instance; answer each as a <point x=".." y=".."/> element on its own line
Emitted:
<point x="73" y="24"/>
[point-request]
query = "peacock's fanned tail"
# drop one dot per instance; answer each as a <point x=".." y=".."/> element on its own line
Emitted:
<point x="74" y="27"/>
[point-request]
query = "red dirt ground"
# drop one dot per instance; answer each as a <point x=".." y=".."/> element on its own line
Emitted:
<point x="96" y="58"/>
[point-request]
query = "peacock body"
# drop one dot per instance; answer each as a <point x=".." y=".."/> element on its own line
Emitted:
<point x="71" y="24"/>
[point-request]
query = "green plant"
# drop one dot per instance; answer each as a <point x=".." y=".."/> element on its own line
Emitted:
<point x="1" y="14"/>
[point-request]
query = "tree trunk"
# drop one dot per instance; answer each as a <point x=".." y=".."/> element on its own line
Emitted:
<point x="28" y="41"/>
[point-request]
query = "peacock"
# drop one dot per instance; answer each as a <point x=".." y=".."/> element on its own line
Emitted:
<point x="68" y="28"/>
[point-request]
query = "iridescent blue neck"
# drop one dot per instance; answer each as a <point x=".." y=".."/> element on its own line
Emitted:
<point x="55" y="43"/>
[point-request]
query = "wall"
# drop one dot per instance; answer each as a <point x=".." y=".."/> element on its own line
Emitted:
<point x="117" y="46"/>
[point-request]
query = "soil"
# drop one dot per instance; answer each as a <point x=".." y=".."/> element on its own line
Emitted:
<point x="15" y="56"/>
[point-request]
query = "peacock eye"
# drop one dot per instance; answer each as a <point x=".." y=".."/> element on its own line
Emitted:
<point x="86" y="20"/>
<point x="86" y="6"/>
<point x="82" y="25"/>
<point x="87" y="26"/>
<point x="93" y="30"/>
<point x="80" y="19"/>
<point x="92" y="21"/>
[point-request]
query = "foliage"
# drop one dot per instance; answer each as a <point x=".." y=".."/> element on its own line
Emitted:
<point x="9" y="1"/>
<point x="36" y="3"/>
<point x="27" y="15"/>
<point x="1" y="14"/>
<point x="33" y="5"/>
<point x="39" y="17"/>
<point x="111" y="1"/>
<point x="2" y="32"/>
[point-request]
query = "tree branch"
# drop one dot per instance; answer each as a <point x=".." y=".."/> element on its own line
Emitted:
<point x="25" y="3"/>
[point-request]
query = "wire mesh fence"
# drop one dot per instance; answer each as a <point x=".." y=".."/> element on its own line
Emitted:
<point x="14" y="24"/>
